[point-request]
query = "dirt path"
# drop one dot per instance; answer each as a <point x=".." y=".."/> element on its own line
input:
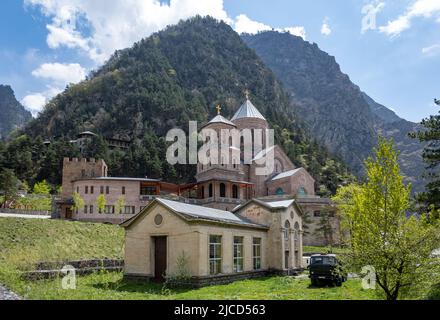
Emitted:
<point x="6" y="294"/>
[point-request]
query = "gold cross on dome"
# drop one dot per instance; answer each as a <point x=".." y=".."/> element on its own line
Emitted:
<point x="247" y="94"/>
<point x="219" y="109"/>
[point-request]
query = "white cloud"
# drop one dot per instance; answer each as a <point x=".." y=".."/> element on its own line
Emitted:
<point x="419" y="8"/>
<point x="35" y="102"/>
<point x="432" y="50"/>
<point x="296" y="31"/>
<point x="325" y="29"/>
<point x="243" y="24"/>
<point x="115" y="25"/>
<point x="61" y="73"/>
<point x="57" y="75"/>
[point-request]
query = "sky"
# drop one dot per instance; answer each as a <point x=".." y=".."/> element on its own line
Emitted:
<point x="389" y="48"/>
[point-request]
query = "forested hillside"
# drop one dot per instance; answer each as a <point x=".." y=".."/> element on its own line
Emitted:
<point x="174" y="76"/>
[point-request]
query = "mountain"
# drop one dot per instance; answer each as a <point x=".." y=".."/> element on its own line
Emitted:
<point x="13" y="114"/>
<point x="179" y="74"/>
<point x="336" y="111"/>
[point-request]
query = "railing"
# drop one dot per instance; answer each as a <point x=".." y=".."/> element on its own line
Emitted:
<point x="148" y="198"/>
<point x="25" y="212"/>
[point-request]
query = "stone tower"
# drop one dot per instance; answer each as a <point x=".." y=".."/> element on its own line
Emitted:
<point x="75" y="169"/>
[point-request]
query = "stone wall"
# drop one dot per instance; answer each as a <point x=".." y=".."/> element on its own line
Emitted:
<point x="49" y="270"/>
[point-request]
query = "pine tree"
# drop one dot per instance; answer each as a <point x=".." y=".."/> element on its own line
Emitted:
<point x="431" y="198"/>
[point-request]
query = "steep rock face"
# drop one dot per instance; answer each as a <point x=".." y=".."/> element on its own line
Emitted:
<point x="336" y="111"/>
<point x="12" y="114"/>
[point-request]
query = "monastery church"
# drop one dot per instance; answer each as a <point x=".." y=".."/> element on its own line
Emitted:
<point x="230" y="224"/>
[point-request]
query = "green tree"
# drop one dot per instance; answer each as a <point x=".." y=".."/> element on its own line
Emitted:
<point x="120" y="204"/>
<point x="42" y="188"/>
<point x="382" y="236"/>
<point x="78" y="202"/>
<point x="101" y="202"/>
<point x="9" y="185"/>
<point x="431" y="155"/>
<point x="325" y="227"/>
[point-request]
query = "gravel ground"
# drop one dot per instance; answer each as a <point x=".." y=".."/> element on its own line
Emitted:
<point x="6" y="294"/>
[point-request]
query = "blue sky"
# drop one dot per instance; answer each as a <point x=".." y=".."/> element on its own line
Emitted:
<point x="46" y="44"/>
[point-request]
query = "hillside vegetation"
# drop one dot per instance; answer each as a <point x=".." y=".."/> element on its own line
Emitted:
<point x="164" y="81"/>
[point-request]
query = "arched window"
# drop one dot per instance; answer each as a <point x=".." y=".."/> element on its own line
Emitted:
<point x="222" y="190"/>
<point x="302" y="191"/>
<point x="286" y="230"/>
<point x="296" y="233"/>
<point x="211" y="191"/>
<point x="280" y="192"/>
<point x="235" y="191"/>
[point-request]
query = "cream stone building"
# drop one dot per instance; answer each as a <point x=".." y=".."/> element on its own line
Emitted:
<point x="222" y="186"/>
<point x="212" y="245"/>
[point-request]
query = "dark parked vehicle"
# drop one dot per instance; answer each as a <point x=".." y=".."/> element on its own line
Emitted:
<point x="325" y="268"/>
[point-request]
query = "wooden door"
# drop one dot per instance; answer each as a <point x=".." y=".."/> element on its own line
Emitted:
<point x="69" y="214"/>
<point x="160" y="258"/>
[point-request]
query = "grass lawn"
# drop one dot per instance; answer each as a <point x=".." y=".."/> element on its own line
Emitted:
<point x="111" y="286"/>
<point x="25" y="242"/>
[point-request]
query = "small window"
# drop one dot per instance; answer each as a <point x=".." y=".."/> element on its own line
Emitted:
<point x="238" y="254"/>
<point x="256" y="253"/>
<point x="211" y="191"/>
<point x="222" y="190"/>
<point x="77" y="189"/>
<point x="107" y="190"/>
<point x="129" y="209"/>
<point x="215" y="255"/>
<point x="280" y="192"/>
<point x="91" y="209"/>
<point x="102" y="190"/>
<point x="235" y="194"/>
<point x="302" y="192"/>
<point x="92" y="189"/>
<point x="85" y="209"/>
<point x="317" y="214"/>
<point x="109" y="210"/>
<point x="86" y="191"/>
<point x="123" y="190"/>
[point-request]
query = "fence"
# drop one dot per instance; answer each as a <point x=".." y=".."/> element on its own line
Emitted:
<point x="25" y="212"/>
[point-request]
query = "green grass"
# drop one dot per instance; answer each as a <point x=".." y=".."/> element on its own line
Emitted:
<point x="25" y="242"/>
<point x="111" y="286"/>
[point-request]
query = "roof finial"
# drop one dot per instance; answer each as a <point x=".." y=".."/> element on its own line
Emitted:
<point x="247" y="94"/>
<point x="219" y="109"/>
